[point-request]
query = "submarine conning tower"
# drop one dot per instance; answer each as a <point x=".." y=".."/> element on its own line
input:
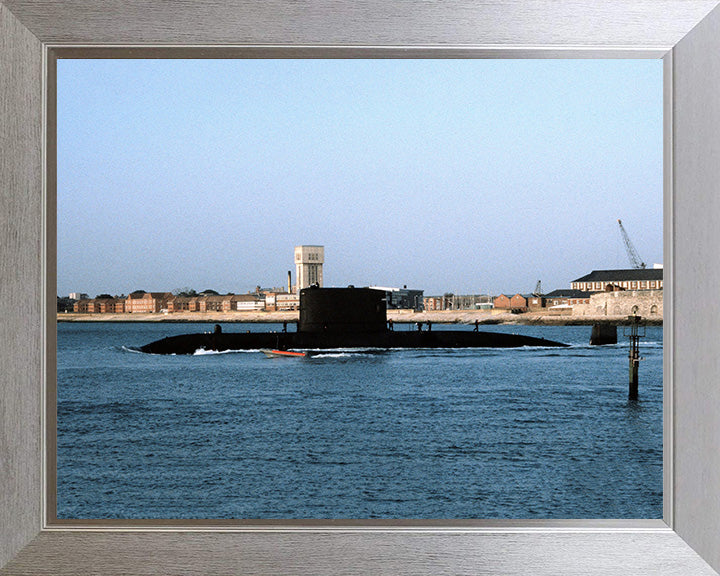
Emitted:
<point x="342" y="310"/>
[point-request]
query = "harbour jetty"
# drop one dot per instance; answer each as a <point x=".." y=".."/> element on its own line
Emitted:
<point x="343" y="318"/>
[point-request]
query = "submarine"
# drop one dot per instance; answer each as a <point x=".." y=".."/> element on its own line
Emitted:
<point x="342" y="318"/>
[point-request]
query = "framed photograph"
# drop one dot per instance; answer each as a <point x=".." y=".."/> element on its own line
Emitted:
<point x="411" y="172"/>
<point x="683" y="34"/>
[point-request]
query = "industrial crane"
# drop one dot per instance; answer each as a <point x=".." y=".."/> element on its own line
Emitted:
<point x="634" y="257"/>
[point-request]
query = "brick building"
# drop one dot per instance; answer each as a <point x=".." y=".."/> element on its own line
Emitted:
<point x="517" y="302"/>
<point x="565" y="297"/>
<point x="213" y="303"/>
<point x="179" y="304"/>
<point x="502" y="302"/>
<point x="82" y="306"/>
<point x="147" y="302"/>
<point x="109" y="305"/>
<point x="99" y="306"/>
<point x="535" y="301"/>
<point x="433" y="303"/>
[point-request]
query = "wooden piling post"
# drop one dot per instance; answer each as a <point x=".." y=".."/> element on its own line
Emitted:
<point x="603" y="334"/>
<point x="634" y="356"/>
<point x="633" y="383"/>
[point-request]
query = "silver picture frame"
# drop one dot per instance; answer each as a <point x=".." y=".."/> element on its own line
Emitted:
<point x="684" y="33"/>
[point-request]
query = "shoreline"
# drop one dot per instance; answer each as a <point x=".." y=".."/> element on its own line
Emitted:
<point x="483" y="317"/>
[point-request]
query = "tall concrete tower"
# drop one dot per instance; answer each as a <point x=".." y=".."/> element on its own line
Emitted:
<point x="308" y="265"/>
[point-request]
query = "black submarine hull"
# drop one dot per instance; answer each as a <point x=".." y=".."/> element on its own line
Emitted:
<point x="191" y="343"/>
<point x="341" y="318"/>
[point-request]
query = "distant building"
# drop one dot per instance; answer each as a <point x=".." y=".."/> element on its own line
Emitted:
<point x="260" y="291"/>
<point x="248" y="303"/>
<point x="433" y="303"/>
<point x="502" y="302"/>
<point x="82" y="306"/>
<point x="99" y="306"/>
<point x="270" y="301"/>
<point x="214" y="303"/>
<point x="109" y="305"/>
<point x="179" y="304"/>
<point x="78" y="296"/>
<point x="629" y="279"/>
<point x="458" y="302"/>
<point x="283" y="301"/>
<point x="516" y="303"/>
<point x="646" y="303"/>
<point x="402" y="298"/>
<point x="464" y="301"/>
<point x="147" y="302"/>
<point x="564" y="297"/>
<point x="519" y="302"/>
<point x="309" y="266"/>
<point x="535" y="301"/>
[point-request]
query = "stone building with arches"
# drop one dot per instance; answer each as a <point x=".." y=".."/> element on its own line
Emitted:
<point x="645" y="303"/>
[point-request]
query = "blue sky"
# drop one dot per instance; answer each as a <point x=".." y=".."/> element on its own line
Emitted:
<point x="460" y="176"/>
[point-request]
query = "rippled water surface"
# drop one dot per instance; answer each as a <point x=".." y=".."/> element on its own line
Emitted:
<point x="485" y="433"/>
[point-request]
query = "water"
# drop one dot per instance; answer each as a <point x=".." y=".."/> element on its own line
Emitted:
<point x="485" y="433"/>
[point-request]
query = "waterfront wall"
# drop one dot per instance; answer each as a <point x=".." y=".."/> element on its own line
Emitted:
<point x="645" y="303"/>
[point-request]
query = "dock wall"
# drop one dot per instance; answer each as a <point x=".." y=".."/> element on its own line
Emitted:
<point x="646" y="303"/>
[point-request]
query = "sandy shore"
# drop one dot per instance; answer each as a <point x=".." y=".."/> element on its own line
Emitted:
<point x="399" y="316"/>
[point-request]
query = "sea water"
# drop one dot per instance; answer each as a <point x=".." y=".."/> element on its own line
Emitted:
<point x="443" y="433"/>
